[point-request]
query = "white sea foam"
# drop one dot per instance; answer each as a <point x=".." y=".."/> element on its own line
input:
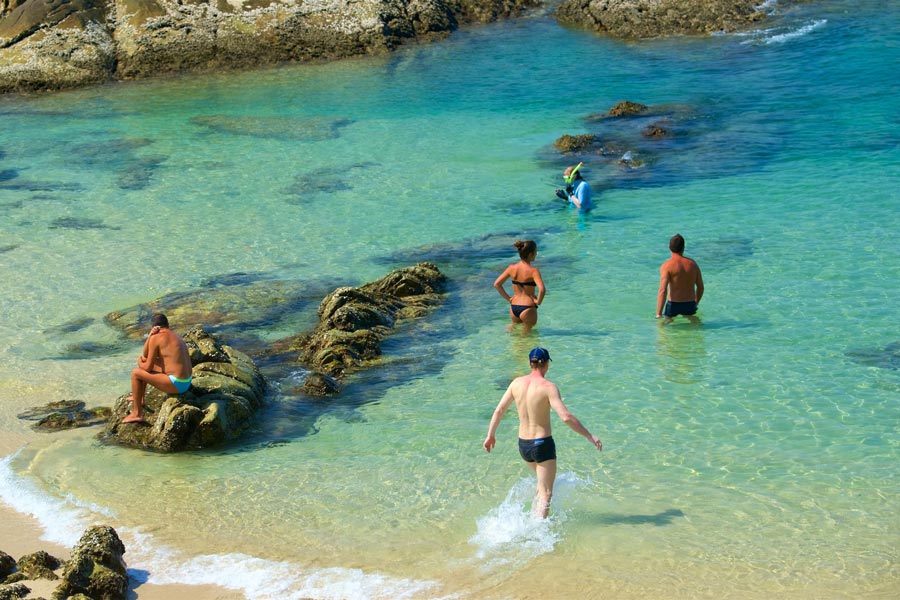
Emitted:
<point x="779" y="35"/>
<point x="63" y="521"/>
<point x="510" y="535"/>
<point x="767" y="6"/>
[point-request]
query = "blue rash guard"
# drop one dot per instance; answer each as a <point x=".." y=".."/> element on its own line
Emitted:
<point x="582" y="192"/>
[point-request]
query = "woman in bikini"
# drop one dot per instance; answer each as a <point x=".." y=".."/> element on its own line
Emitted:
<point x="526" y="280"/>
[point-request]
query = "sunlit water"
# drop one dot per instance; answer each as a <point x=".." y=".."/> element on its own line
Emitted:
<point x="754" y="455"/>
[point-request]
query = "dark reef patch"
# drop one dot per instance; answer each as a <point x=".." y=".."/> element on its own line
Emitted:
<point x="310" y="129"/>
<point x="27" y="185"/>
<point x="326" y="180"/>
<point x="666" y="145"/>
<point x="120" y="155"/>
<point x="70" y="326"/>
<point x="79" y="223"/>
<point x="885" y="358"/>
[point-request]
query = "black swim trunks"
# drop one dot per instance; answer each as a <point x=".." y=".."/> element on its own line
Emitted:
<point x="537" y="450"/>
<point x="673" y="309"/>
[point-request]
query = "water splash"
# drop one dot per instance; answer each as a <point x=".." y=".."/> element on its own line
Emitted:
<point x="509" y="535"/>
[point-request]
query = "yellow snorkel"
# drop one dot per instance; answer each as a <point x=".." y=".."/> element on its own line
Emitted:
<point x="571" y="176"/>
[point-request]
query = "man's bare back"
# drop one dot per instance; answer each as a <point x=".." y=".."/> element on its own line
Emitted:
<point x="167" y="353"/>
<point x="681" y="275"/>
<point x="532" y="395"/>
<point x="680" y="283"/>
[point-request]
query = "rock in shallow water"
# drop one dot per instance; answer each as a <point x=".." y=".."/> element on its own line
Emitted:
<point x="226" y="391"/>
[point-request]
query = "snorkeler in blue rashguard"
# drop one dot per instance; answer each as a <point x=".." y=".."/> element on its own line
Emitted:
<point x="578" y="191"/>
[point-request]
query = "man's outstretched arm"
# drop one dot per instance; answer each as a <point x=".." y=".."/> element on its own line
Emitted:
<point x="501" y="409"/>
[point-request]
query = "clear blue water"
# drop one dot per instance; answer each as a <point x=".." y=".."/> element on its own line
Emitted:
<point x="753" y="455"/>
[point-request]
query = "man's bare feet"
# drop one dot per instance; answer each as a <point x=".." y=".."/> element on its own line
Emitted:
<point x="133" y="419"/>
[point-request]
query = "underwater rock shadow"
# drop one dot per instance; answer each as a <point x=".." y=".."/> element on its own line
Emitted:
<point x="120" y="155"/>
<point x="471" y="254"/>
<point x="659" y="519"/>
<point x="324" y="181"/>
<point x="886" y="358"/>
<point x="80" y="223"/>
<point x="309" y="129"/>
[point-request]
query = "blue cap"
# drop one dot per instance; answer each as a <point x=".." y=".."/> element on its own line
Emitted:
<point x="539" y="355"/>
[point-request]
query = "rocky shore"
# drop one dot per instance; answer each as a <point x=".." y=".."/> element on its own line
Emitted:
<point x="96" y="569"/>
<point x="57" y="44"/>
<point x="639" y="19"/>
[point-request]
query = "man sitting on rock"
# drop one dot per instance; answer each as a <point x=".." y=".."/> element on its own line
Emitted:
<point x="165" y="363"/>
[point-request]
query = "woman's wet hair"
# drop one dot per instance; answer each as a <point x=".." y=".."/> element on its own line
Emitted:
<point x="526" y="248"/>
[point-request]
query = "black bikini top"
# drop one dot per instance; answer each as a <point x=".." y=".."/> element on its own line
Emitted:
<point x="524" y="283"/>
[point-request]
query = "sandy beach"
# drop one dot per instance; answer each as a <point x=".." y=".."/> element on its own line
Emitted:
<point x="21" y="534"/>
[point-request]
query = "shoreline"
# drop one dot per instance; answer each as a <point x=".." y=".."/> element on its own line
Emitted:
<point x="22" y="534"/>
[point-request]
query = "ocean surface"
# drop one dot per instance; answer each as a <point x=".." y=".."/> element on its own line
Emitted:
<point x="753" y="455"/>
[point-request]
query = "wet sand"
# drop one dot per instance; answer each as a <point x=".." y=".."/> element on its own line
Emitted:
<point x="20" y="534"/>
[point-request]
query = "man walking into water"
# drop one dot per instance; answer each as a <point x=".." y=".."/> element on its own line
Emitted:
<point x="534" y="397"/>
<point x="680" y="278"/>
<point x="165" y="363"/>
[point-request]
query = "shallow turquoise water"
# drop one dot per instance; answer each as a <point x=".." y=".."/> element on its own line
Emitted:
<point x="753" y="455"/>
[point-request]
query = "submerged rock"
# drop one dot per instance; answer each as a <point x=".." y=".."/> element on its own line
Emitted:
<point x="226" y="391"/>
<point x="635" y="145"/>
<point x="234" y="304"/>
<point x="626" y="108"/>
<point x="353" y="322"/>
<point x="308" y="129"/>
<point x="885" y="358"/>
<point x="97" y="567"/>
<point x="65" y="414"/>
<point x="574" y="143"/>
<point x="653" y="18"/>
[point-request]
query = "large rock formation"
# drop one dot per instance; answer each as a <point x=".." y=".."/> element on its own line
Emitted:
<point x="637" y="19"/>
<point x="225" y="393"/>
<point x="97" y="568"/>
<point x="353" y="322"/>
<point x="53" y="44"/>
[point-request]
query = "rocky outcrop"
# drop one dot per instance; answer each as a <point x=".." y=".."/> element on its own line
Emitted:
<point x="353" y="322"/>
<point x="226" y="391"/>
<point x="54" y="44"/>
<point x="95" y="571"/>
<point x="38" y="565"/>
<point x="638" y="19"/>
<point x="7" y="565"/>
<point x="97" y="567"/>
<point x="14" y="591"/>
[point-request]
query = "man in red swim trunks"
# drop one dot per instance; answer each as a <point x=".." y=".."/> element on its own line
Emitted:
<point x="679" y="277"/>
<point x="535" y="396"/>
